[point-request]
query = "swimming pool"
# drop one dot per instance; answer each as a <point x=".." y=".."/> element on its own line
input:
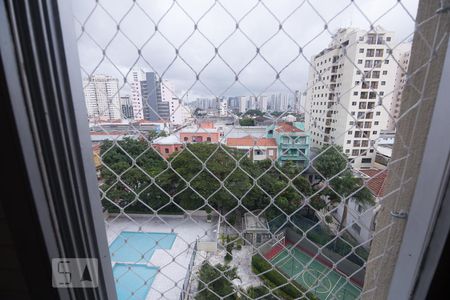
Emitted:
<point x="133" y="281"/>
<point x="131" y="251"/>
<point x="138" y="247"/>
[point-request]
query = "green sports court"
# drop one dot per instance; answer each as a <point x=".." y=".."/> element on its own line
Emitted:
<point x="324" y="283"/>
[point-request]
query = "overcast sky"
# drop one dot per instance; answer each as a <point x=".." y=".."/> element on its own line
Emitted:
<point x="217" y="29"/>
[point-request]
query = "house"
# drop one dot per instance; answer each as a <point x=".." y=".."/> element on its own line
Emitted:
<point x="361" y="219"/>
<point x="203" y="132"/>
<point x="257" y="148"/>
<point x="256" y="229"/>
<point x="167" y="145"/>
<point x="292" y="142"/>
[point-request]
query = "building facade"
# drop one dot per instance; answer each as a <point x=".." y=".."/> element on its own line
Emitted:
<point x="292" y="141"/>
<point x="348" y="81"/>
<point x="101" y="93"/>
<point x="137" y="75"/>
<point x="401" y="55"/>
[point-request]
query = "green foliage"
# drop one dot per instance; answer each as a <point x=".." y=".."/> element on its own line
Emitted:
<point x="330" y="161"/>
<point x="259" y="292"/>
<point x="246" y="122"/>
<point x="147" y="185"/>
<point x="328" y="219"/>
<point x="212" y="279"/>
<point x="273" y="278"/>
<point x="253" y="112"/>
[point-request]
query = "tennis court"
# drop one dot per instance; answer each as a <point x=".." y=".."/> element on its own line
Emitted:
<point x="324" y="285"/>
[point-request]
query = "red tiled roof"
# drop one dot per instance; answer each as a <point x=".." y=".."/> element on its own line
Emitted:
<point x="251" y="141"/>
<point x="377" y="180"/>
<point x="286" y="127"/>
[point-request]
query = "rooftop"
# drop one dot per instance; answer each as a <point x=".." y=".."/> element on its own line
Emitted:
<point x="377" y="180"/>
<point x="255" y="223"/>
<point x="251" y="141"/>
<point x="286" y="127"/>
<point x="167" y="140"/>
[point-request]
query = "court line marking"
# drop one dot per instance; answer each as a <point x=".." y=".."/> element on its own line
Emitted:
<point x="339" y="279"/>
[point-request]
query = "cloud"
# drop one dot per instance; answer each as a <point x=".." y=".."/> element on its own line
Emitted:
<point x="182" y="40"/>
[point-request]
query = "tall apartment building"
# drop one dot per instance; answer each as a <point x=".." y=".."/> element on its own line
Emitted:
<point x="101" y="93"/>
<point x="401" y="54"/>
<point x="347" y="83"/>
<point x="126" y="107"/>
<point x="153" y="107"/>
<point x="137" y="75"/>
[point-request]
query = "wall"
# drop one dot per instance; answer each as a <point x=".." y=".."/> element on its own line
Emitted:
<point x="408" y="152"/>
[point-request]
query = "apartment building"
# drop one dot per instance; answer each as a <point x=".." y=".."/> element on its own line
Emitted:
<point x="102" y="97"/>
<point x="401" y="54"/>
<point x="349" y="83"/>
<point x="137" y="75"/>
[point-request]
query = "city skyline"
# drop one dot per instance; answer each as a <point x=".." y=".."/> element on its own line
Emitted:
<point x="217" y="78"/>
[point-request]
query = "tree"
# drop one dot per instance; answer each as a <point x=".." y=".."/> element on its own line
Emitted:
<point x="215" y="282"/>
<point x="246" y="122"/>
<point x="330" y="161"/>
<point x="350" y="187"/>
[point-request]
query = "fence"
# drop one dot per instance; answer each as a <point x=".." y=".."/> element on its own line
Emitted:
<point x="321" y="95"/>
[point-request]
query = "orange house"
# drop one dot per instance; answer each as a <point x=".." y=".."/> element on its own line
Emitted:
<point x="167" y="145"/>
<point x="204" y="133"/>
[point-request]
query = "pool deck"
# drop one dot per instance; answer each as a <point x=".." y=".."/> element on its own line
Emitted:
<point x="172" y="263"/>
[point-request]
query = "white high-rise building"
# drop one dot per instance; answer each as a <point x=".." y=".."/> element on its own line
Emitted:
<point x="401" y="53"/>
<point x="180" y="114"/>
<point x="243" y="104"/>
<point x="223" y="107"/>
<point x="137" y="75"/>
<point x="262" y="103"/>
<point x="347" y="83"/>
<point x="101" y="93"/>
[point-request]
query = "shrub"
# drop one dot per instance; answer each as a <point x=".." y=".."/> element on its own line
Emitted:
<point x="328" y="219"/>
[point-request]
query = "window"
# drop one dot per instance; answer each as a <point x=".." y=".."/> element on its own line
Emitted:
<point x="360" y="61"/>
<point x="368" y="63"/>
<point x="379" y="53"/>
<point x="355" y="152"/>
<point x="366" y="160"/>
<point x="349" y="141"/>
<point x="166" y="150"/>
<point x="356" y="227"/>
<point x="353" y="103"/>
<point x="357" y="143"/>
<point x="377" y="63"/>
<point x="370" y="52"/>
<point x="383" y="83"/>
<point x="376" y="122"/>
<point x="385" y="72"/>
<point x="378" y="113"/>
<point x="386" y="61"/>
<point x="361" y="50"/>
<point x="355" y="93"/>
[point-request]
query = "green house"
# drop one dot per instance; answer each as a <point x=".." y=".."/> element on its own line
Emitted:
<point x="292" y="140"/>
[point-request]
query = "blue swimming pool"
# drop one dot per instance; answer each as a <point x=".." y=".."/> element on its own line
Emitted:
<point x="133" y="281"/>
<point x="132" y="251"/>
<point x="138" y="247"/>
